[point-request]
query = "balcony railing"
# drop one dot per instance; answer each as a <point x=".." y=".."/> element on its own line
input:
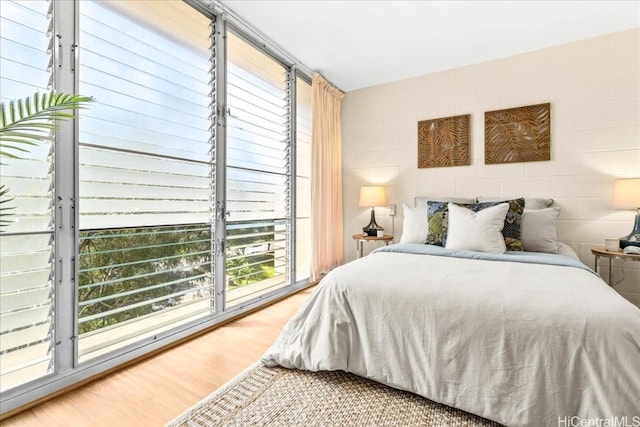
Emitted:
<point x="136" y="282"/>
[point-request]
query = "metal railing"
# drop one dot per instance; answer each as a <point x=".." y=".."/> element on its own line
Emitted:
<point x="137" y="281"/>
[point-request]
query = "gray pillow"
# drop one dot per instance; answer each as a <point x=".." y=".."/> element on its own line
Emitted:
<point x="539" y="230"/>
<point x="421" y="201"/>
<point x="532" y="203"/>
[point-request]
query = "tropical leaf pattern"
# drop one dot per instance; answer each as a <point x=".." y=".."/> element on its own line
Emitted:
<point x="443" y="142"/>
<point x="521" y="134"/>
<point x="437" y="220"/>
<point x="24" y="123"/>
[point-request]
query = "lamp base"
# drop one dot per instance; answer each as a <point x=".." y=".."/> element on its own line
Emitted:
<point x="633" y="238"/>
<point x="372" y="228"/>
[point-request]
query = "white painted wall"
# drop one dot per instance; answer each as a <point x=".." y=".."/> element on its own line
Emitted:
<point x="594" y="90"/>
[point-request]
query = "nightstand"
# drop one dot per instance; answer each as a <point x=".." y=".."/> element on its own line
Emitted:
<point x="611" y="255"/>
<point x="361" y="238"/>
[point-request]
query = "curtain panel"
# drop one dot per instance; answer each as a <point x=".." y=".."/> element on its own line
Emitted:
<point x="326" y="190"/>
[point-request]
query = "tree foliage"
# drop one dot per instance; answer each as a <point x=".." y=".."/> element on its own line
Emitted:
<point x="127" y="273"/>
<point x="131" y="272"/>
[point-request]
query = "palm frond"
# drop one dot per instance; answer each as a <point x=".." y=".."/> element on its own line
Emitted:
<point x="4" y="153"/>
<point x="32" y="119"/>
<point x="4" y="208"/>
<point x="25" y="123"/>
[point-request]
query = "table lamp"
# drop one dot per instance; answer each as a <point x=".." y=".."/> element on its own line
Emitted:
<point x="626" y="195"/>
<point x="372" y="197"/>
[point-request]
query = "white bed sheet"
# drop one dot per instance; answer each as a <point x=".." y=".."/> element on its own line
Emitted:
<point x="521" y="344"/>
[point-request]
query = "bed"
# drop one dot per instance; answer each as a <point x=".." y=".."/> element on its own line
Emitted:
<point x="522" y="338"/>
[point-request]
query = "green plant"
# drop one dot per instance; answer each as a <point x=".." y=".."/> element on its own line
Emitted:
<point x="26" y="122"/>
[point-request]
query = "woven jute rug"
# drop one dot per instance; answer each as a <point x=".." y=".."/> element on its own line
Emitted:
<point x="263" y="396"/>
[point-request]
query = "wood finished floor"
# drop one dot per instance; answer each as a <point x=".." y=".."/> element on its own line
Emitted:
<point x="156" y="390"/>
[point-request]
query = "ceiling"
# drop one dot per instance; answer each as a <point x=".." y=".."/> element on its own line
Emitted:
<point x="361" y="43"/>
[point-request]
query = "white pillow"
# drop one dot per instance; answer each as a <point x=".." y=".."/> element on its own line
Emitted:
<point x="566" y="250"/>
<point x="415" y="226"/>
<point x="539" y="230"/>
<point x="477" y="231"/>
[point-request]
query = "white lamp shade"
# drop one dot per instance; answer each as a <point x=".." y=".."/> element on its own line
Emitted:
<point x="373" y="196"/>
<point x="626" y="193"/>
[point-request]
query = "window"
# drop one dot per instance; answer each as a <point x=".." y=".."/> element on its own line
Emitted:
<point x="27" y="249"/>
<point x="146" y="172"/>
<point x="177" y="199"/>
<point x="303" y="179"/>
<point x="258" y="186"/>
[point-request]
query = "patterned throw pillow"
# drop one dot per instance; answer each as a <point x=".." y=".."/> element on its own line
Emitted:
<point x="437" y="213"/>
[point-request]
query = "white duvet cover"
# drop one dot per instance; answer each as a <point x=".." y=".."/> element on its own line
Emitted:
<point x="522" y="344"/>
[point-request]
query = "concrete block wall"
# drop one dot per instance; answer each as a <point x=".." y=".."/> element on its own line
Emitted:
<point x="593" y="86"/>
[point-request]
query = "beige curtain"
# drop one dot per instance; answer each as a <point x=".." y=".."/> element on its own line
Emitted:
<point x="326" y="178"/>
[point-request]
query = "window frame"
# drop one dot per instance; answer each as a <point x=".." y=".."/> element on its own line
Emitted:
<point x="243" y="36"/>
<point x="66" y="54"/>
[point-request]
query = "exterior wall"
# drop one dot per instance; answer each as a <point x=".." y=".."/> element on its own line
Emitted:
<point x="594" y="90"/>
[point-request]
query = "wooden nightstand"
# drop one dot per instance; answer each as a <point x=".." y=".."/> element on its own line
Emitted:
<point x="360" y="239"/>
<point x="611" y="255"/>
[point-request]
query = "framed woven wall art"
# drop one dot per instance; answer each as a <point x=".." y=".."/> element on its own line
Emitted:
<point x="444" y="142"/>
<point x="521" y="134"/>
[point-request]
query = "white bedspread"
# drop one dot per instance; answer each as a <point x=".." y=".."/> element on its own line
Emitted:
<point x="521" y="344"/>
